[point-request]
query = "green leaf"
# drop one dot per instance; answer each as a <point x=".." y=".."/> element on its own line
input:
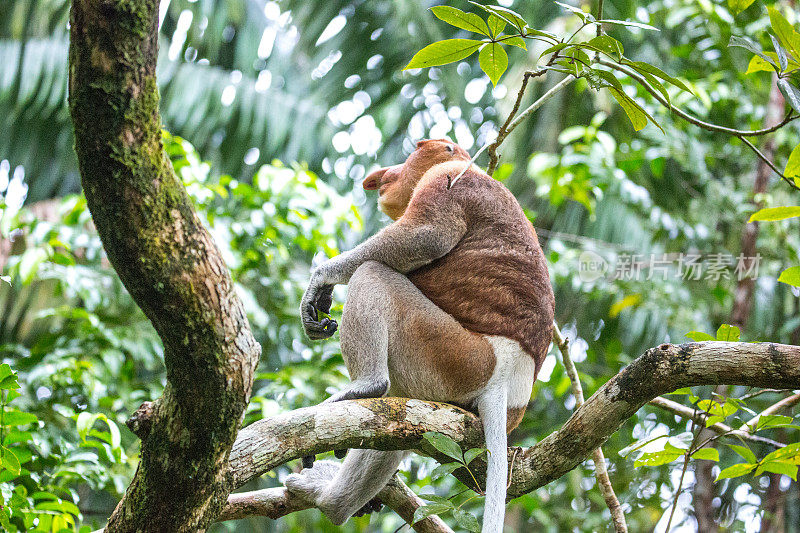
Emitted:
<point x="747" y="44"/>
<point x="435" y="498"/>
<point x="493" y="61"/>
<point x="639" y="444"/>
<point x="775" y="213"/>
<point x="511" y="17"/>
<point x="576" y="10"/>
<point x="745" y="452"/>
<point x="699" y="336"/>
<point x="792" y="169"/>
<point x="427" y="510"/>
<point x="773" y="421"/>
<point x="471" y="454"/>
<point x="728" y="333"/>
<point x="496" y="25"/>
<point x="667" y="455"/>
<point x="466" y="520"/>
<point x="18" y="418"/>
<point x="9" y="383"/>
<point x="735" y="471"/>
<point x="787" y="35"/>
<point x="791" y="93"/>
<point x="636" y="114"/>
<point x="517" y="41"/>
<point x="443" y="52"/>
<point x="783" y="61"/>
<point x="646" y="68"/>
<point x="759" y="65"/>
<point x="630" y="23"/>
<point x="85" y="422"/>
<point x="9" y="461"/>
<point x="737" y="6"/>
<point x="460" y="19"/>
<point x="608" y="45"/>
<point x="709" y="454"/>
<point x="788" y="454"/>
<point x="444" y="444"/>
<point x="778" y="467"/>
<point x="790" y="276"/>
<point x="443" y="470"/>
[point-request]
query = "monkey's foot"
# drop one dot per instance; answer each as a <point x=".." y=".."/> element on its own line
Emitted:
<point x="312" y="482"/>
<point x="372" y="506"/>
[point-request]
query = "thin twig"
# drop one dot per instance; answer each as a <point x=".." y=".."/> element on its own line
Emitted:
<point x="686" y="457"/>
<point x="600" y="471"/>
<point x="789" y="401"/>
<point x="719" y="428"/>
<point x="741" y="134"/>
<point x="522" y="116"/>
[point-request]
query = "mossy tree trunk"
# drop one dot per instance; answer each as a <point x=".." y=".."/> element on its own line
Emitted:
<point x="169" y="264"/>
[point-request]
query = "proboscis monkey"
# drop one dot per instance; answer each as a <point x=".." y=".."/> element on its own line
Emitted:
<point x="451" y="302"/>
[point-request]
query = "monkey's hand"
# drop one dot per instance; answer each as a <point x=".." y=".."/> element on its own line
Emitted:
<point x="317" y="298"/>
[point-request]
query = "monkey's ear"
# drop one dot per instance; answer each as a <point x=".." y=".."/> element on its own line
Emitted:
<point x="373" y="181"/>
<point x="423" y="142"/>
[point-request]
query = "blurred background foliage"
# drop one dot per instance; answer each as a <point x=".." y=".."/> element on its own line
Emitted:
<point x="276" y="112"/>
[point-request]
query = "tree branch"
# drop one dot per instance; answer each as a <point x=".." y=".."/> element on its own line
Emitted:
<point x="394" y="423"/>
<point x="599" y="460"/>
<point x="277" y="502"/>
<point x="169" y="264"/>
<point x="700" y="418"/>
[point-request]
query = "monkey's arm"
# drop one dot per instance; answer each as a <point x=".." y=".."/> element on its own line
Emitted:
<point x="431" y="226"/>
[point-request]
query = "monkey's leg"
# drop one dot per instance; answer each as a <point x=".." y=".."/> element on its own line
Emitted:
<point x="339" y="491"/>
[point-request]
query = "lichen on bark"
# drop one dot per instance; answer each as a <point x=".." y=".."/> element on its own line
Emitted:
<point x="167" y="261"/>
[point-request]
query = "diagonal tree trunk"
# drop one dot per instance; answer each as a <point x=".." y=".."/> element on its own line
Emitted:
<point x="169" y="264"/>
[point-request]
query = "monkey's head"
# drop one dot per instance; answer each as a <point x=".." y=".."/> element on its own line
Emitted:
<point x="395" y="184"/>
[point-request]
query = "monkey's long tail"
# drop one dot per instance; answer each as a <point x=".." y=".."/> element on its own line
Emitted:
<point x="492" y="409"/>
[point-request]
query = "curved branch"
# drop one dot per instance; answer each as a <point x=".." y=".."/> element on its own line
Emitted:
<point x="169" y="264"/>
<point x="395" y="423"/>
<point x="276" y="502"/>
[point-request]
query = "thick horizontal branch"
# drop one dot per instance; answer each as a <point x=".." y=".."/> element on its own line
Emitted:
<point x="394" y="423"/>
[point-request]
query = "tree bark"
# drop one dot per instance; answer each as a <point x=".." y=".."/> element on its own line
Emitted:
<point x="169" y="264"/>
<point x="396" y="423"/>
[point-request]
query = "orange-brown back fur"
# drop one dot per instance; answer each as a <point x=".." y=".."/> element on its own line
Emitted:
<point x="495" y="280"/>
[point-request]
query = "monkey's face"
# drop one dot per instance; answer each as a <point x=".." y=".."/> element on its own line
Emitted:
<point x="395" y="184"/>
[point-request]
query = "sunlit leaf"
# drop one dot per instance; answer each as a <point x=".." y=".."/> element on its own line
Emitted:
<point x="708" y="454"/>
<point x="778" y="467"/>
<point x="460" y="19"/>
<point x="511" y="17"/>
<point x="775" y="213"/>
<point x="790" y="276"/>
<point x="496" y="25"/>
<point x="792" y="169"/>
<point x="631" y="23"/>
<point x="517" y="41"/>
<point x="783" y="61"/>
<point x="728" y="333"/>
<point x="786" y="33"/>
<point x="745" y="452"/>
<point x="443" y="52"/>
<point x="699" y="336"/>
<point x="737" y="6"/>
<point x="735" y="471"/>
<point x="628" y="301"/>
<point x="493" y="60"/>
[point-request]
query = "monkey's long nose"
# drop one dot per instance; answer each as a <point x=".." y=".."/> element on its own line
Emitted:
<point x="373" y="181"/>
